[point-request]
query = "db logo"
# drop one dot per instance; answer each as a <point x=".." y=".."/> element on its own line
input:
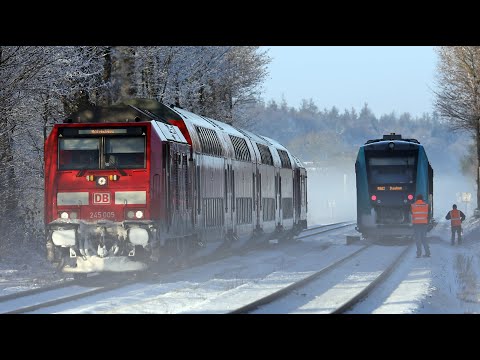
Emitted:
<point x="101" y="198"/>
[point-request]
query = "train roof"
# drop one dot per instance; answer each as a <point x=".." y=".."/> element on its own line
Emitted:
<point x="254" y="137"/>
<point x="275" y="143"/>
<point x="138" y="109"/>
<point x="224" y="127"/>
<point x="169" y="132"/>
<point x="206" y="122"/>
<point x="391" y="142"/>
<point x="129" y="111"/>
<point x="298" y="162"/>
<point x="390" y="137"/>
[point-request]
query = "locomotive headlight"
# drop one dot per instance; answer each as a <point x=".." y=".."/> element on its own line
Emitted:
<point x="102" y="180"/>
<point x="391" y="146"/>
<point x="64" y="215"/>
<point x="130" y="214"/>
<point x="139" y="214"/>
<point x="73" y="215"/>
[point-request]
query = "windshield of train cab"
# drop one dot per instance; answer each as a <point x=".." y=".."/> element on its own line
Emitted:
<point x="101" y="148"/>
<point x="398" y="168"/>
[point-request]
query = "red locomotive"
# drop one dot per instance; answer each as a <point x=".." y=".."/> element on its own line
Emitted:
<point x="127" y="183"/>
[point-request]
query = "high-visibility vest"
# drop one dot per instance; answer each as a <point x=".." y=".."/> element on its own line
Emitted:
<point x="455" y="218"/>
<point x="419" y="212"/>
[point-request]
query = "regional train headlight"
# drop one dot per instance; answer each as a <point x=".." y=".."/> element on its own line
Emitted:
<point x="102" y="180"/>
<point x="68" y="215"/>
<point x="132" y="214"/>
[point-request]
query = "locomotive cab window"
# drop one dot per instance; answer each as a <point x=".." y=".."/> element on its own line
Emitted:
<point x="125" y="152"/>
<point x="93" y="149"/>
<point x="78" y="153"/>
<point x="389" y="170"/>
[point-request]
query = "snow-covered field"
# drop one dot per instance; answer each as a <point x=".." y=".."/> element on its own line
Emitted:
<point x="23" y="268"/>
<point x="446" y="283"/>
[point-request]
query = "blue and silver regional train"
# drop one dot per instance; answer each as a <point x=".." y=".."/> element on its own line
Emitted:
<point x="390" y="173"/>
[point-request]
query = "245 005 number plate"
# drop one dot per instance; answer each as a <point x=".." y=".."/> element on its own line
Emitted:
<point x="102" y="214"/>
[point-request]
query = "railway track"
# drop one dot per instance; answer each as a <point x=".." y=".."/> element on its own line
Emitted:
<point x="31" y="300"/>
<point x="315" y="230"/>
<point x="369" y="288"/>
<point x="71" y="290"/>
<point x="333" y="301"/>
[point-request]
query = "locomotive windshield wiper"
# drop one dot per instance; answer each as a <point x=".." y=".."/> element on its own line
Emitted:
<point x="81" y="172"/>
<point x="113" y="164"/>
<point x="121" y="171"/>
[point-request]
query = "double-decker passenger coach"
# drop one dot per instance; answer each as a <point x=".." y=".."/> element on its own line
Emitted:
<point x="128" y="183"/>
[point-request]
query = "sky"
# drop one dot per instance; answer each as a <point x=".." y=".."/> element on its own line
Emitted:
<point x="387" y="78"/>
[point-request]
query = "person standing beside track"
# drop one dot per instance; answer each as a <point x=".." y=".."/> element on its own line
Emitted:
<point x="456" y="218"/>
<point x="419" y="211"/>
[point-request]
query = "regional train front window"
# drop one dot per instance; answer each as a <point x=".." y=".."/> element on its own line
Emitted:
<point x="392" y="170"/>
<point x="79" y="153"/>
<point x="125" y="152"/>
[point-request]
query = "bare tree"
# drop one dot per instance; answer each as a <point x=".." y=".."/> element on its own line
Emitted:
<point x="458" y="97"/>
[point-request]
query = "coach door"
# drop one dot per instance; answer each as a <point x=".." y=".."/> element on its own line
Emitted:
<point x="232" y="198"/>
<point x="197" y="194"/>
<point x="228" y="195"/>
<point x="258" y="197"/>
<point x="296" y="195"/>
<point x="278" y="197"/>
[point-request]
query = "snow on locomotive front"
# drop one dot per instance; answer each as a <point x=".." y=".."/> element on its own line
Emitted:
<point x="104" y="175"/>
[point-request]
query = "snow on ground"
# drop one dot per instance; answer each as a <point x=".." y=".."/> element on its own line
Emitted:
<point x="220" y="286"/>
<point x="329" y="292"/>
<point x="446" y="283"/>
<point x="22" y="268"/>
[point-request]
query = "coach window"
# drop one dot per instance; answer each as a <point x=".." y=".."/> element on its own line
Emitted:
<point x="78" y="153"/>
<point x="125" y="152"/>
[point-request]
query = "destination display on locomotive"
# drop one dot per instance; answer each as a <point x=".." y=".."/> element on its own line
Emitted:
<point x="102" y="131"/>
<point x="390" y="188"/>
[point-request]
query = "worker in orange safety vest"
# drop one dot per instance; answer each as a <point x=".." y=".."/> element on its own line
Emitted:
<point x="419" y="211"/>
<point x="456" y="218"/>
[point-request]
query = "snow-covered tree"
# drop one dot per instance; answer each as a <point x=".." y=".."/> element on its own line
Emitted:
<point x="216" y="81"/>
<point x="458" y="97"/>
<point x="38" y="85"/>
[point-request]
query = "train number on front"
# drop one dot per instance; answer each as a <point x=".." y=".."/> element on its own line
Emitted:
<point x="102" y="214"/>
